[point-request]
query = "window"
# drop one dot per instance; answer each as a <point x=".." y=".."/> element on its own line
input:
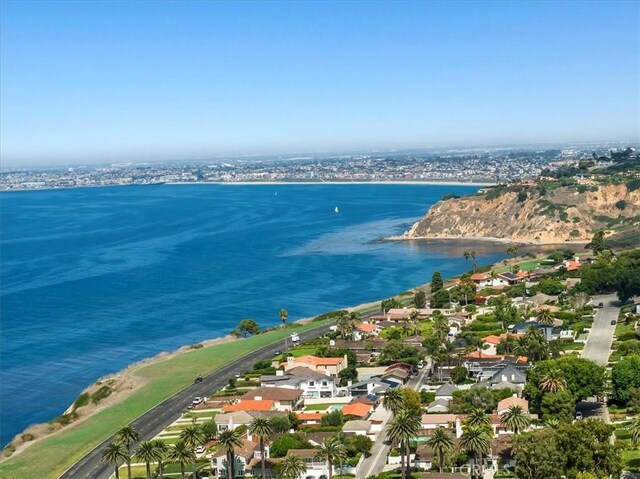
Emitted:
<point x="312" y="383"/>
<point x="325" y="383"/>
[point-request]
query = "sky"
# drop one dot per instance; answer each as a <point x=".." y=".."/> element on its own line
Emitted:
<point x="84" y="82"/>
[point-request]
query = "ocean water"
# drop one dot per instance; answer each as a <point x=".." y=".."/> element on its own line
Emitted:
<point x="95" y="279"/>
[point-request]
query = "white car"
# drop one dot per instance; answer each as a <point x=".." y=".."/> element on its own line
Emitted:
<point x="197" y="401"/>
<point x="200" y="450"/>
<point x="578" y="415"/>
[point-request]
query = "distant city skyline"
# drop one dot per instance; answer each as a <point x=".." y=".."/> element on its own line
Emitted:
<point x="100" y="82"/>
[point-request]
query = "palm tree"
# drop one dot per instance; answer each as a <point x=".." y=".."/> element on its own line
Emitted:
<point x="476" y="441"/>
<point x="478" y="418"/>
<point x="161" y="449"/>
<point x="553" y="423"/>
<point x="473" y="258"/>
<point x="128" y="436"/>
<point x="229" y="440"/>
<point x="284" y="315"/>
<point x="293" y="467"/>
<point x="466" y="255"/>
<point x="193" y="436"/>
<point x="404" y="426"/>
<point x="332" y="450"/>
<point x="516" y="419"/>
<point x="181" y="454"/>
<point x="634" y="429"/>
<point x="113" y="454"/>
<point x="441" y="443"/>
<point x="553" y="381"/>
<point x="513" y="251"/>
<point x="393" y="400"/>
<point x="262" y="429"/>
<point x="147" y="453"/>
<point x="544" y="317"/>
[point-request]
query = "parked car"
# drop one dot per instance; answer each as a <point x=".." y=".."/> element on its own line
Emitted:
<point x="613" y="321"/>
<point x="600" y="305"/>
<point x="421" y="365"/>
<point x="237" y="376"/>
<point x="578" y="415"/>
<point x="197" y="400"/>
<point x="277" y="353"/>
<point x="198" y="380"/>
<point x="200" y="450"/>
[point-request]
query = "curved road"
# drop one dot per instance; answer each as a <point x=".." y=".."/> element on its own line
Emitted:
<point x="155" y="420"/>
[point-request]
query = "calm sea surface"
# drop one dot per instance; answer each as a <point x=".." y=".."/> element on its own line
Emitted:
<point x="94" y="279"/>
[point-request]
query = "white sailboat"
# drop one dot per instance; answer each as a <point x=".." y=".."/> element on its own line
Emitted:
<point x="336" y="210"/>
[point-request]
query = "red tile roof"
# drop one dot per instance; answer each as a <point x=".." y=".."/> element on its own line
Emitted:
<point x="249" y="405"/>
<point x="356" y="409"/>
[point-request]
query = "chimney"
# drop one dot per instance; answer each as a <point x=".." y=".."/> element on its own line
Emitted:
<point x="279" y="372"/>
<point x="458" y="427"/>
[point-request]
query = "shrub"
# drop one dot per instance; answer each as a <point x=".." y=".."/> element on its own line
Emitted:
<point x="621" y="205"/>
<point x="100" y="394"/>
<point x="82" y="400"/>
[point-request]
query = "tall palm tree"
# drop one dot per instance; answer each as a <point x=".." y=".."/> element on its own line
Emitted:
<point x="473" y="258"/>
<point x="114" y="453"/>
<point x="516" y="419"/>
<point x="262" y="429"/>
<point x="441" y="443"/>
<point x="162" y="449"/>
<point x="181" y="454"/>
<point x="332" y="450"/>
<point x="229" y="440"/>
<point x="147" y="453"/>
<point x="513" y="251"/>
<point x="404" y="426"/>
<point x="293" y="467"/>
<point x="393" y="400"/>
<point x="475" y="441"/>
<point x="478" y="418"/>
<point x="193" y="436"/>
<point x="553" y="381"/>
<point x="284" y="315"/>
<point x="634" y="429"/>
<point x="467" y="255"/>
<point x="544" y="317"/>
<point x="127" y="436"/>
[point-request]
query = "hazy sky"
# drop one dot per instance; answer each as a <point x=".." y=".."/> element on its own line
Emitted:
<point x="108" y="81"/>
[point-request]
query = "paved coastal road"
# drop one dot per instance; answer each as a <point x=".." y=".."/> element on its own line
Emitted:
<point x="155" y="420"/>
<point x="601" y="336"/>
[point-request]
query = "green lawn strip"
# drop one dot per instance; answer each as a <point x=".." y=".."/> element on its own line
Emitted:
<point x="53" y="455"/>
<point x="297" y="352"/>
<point x="317" y="407"/>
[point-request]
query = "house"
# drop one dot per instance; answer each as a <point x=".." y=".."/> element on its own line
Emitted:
<point x="509" y="279"/>
<point x="310" y="418"/>
<point x="234" y="419"/>
<point x="312" y="383"/>
<point x="283" y="399"/>
<point x="502" y="450"/>
<point x="508" y="377"/>
<point x="446" y="391"/>
<point x="505" y="404"/>
<point x="431" y="422"/>
<point x="550" y="331"/>
<point x="397" y="375"/>
<point x="250" y="406"/>
<point x="357" y="409"/>
<point x="365" y="330"/>
<point x="426" y="457"/>
<point x="316" y="466"/>
<point x="328" y="366"/>
<point x="438" y="406"/>
<point x="357" y="427"/>
<point x="244" y="455"/>
<point x="370" y="386"/>
<point x="483" y="366"/>
<point x="490" y="343"/>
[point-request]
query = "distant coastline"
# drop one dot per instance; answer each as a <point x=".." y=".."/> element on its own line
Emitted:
<point x="345" y="182"/>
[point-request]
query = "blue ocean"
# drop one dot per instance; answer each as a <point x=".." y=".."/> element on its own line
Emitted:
<point x="95" y="279"/>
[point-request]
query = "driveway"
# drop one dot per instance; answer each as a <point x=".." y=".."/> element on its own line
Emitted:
<point x="600" y="337"/>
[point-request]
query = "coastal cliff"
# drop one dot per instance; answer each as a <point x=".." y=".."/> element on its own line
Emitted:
<point x="533" y="215"/>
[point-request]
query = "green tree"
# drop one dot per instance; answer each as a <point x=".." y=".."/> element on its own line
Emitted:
<point x="401" y="429"/>
<point x="441" y="299"/>
<point x="181" y="454"/>
<point x="479" y="418"/>
<point x="391" y="303"/>
<point x="332" y="450"/>
<point x="544" y="317"/>
<point x="559" y="406"/>
<point x="281" y="445"/>
<point x="516" y="419"/>
<point x="513" y="250"/>
<point x="474" y="256"/>
<point x="248" y="326"/>
<point x="441" y="443"/>
<point x="128" y="436"/>
<point x="147" y="453"/>
<point x="436" y="282"/>
<point x="553" y="381"/>
<point x="420" y="299"/>
<point x="279" y="424"/>
<point x="467" y="255"/>
<point x="459" y="375"/>
<point x="625" y="375"/>
<point x="334" y="418"/>
<point x="411" y="400"/>
<point x="114" y="454"/>
<point x="598" y="245"/>
<point x="262" y="429"/>
<point x="228" y="440"/>
<point x="209" y="430"/>
<point x="475" y="441"/>
<point x="293" y="467"/>
<point x="537" y="455"/>
<point x="634" y="429"/>
<point x="193" y="437"/>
